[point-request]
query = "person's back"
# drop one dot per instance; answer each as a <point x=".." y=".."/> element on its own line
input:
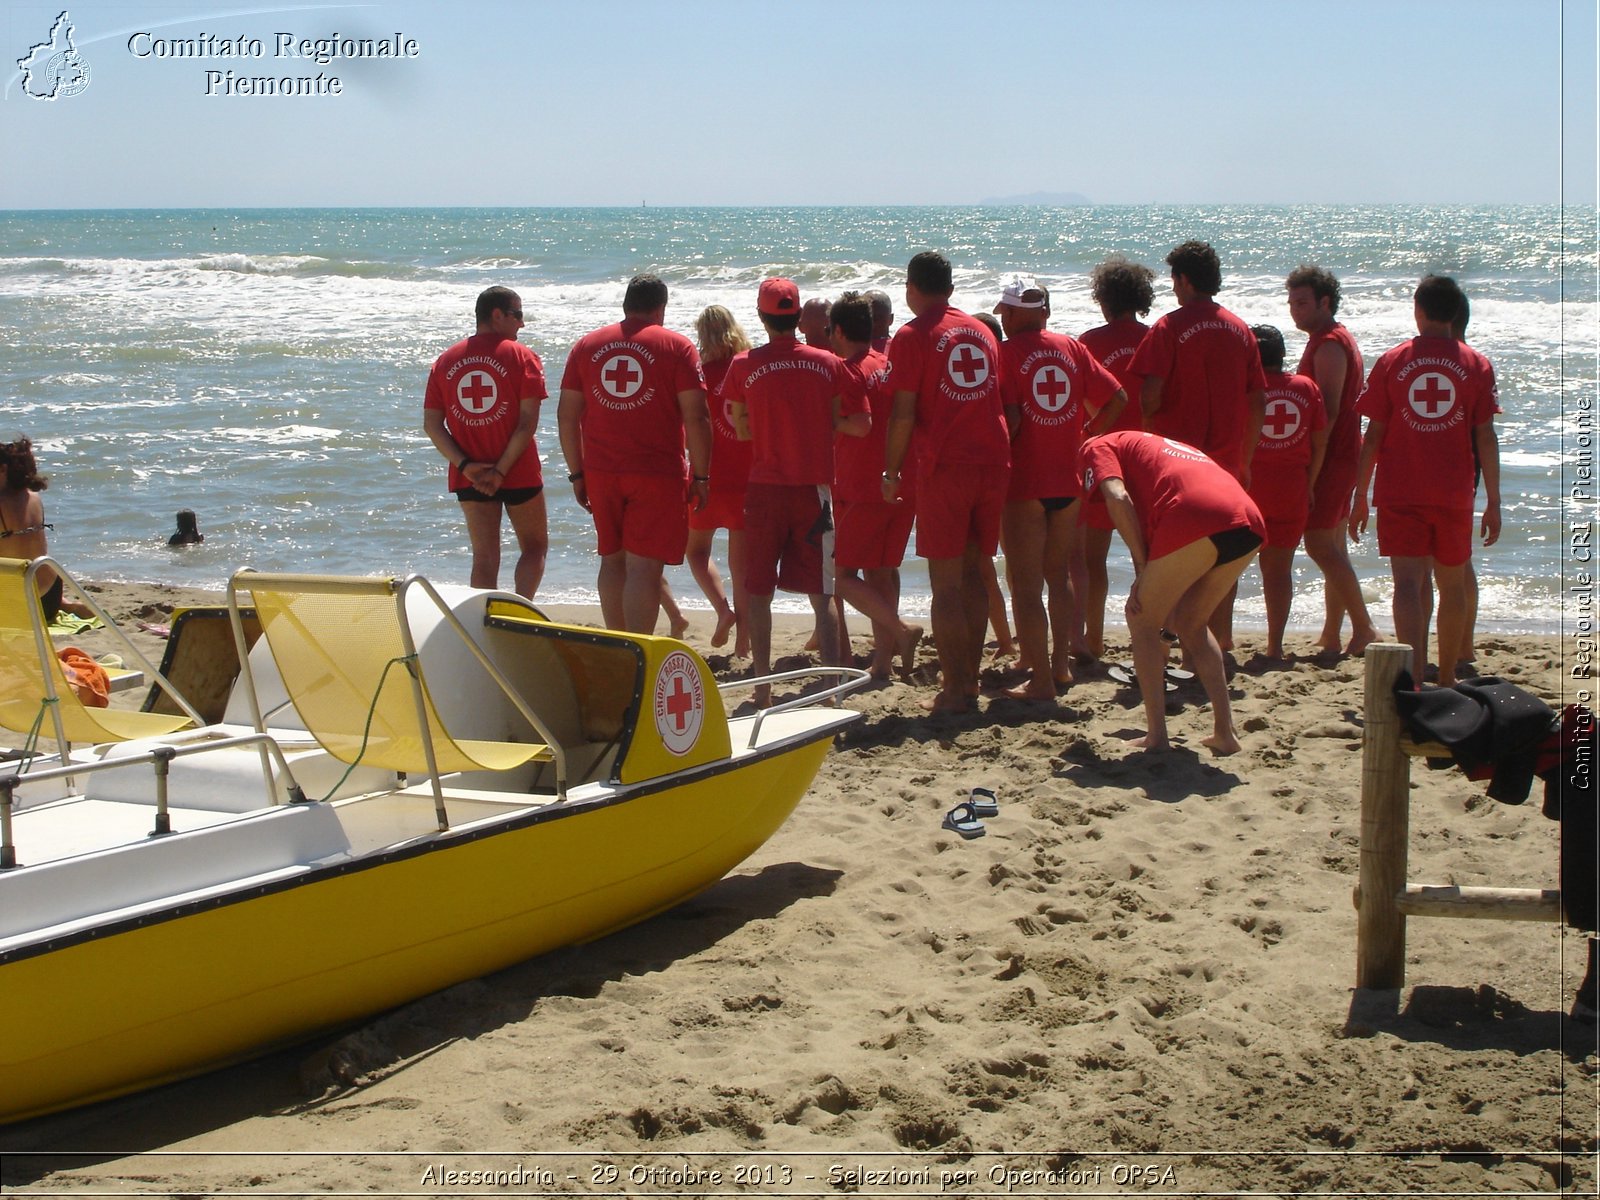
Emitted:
<point x="1432" y="391"/>
<point x="631" y="373"/>
<point x="788" y="390"/>
<point x="951" y="362"/>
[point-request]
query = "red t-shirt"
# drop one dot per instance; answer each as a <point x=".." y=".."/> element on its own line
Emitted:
<point x="1114" y="345"/>
<point x="1178" y="493"/>
<point x="787" y="390"/>
<point x="858" y="461"/>
<point x="1344" y="439"/>
<point x="1051" y="378"/>
<point x="951" y="362"/>
<point x="1209" y="360"/>
<point x="1431" y="393"/>
<point x="479" y="384"/>
<point x="730" y="458"/>
<point x="1280" y="470"/>
<point x="630" y="375"/>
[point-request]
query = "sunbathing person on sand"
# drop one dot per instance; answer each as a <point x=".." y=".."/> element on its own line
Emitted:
<point x="1191" y="530"/>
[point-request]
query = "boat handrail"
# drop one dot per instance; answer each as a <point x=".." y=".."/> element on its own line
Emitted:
<point x="855" y="678"/>
<point x="159" y="757"/>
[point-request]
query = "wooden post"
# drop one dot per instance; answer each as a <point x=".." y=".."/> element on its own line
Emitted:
<point x="1385" y="824"/>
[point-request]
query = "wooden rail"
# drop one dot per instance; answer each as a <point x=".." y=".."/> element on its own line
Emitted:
<point x="1384" y="899"/>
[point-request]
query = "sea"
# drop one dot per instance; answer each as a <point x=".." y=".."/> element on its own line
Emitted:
<point x="265" y="368"/>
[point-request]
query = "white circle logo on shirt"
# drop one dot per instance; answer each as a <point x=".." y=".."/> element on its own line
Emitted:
<point x="476" y="392"/>
<point x="1432" y="396"/>
<point x="622" y="376"/>
<point x="1184" y="450"/>
<point x="680" y="703"/>
<point x="1282" y="419"/>
<point x="968" y="367"/>
<point x="1052" y="388"/>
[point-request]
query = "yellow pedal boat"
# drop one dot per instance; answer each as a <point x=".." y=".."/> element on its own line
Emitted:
<point x="406" y="787"/>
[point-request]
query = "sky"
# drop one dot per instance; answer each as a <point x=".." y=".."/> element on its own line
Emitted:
<point x="754" y="102"/>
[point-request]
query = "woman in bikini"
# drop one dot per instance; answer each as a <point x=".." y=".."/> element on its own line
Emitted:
<point x="22" y="523"/>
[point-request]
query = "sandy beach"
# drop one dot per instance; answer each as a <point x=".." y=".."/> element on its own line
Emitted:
<point x="1141" y="980"/>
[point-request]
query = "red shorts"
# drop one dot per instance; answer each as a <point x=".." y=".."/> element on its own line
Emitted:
<point x="642" y="514"/>
<point x="1284" y="533"/>
<point x="788" y="538"/>
<point x="1426" y="531"/>
<point x="1336" y="485"/>
<point x="723" y="510"/>
<point x="871" y="534"/>
<point x="958" y="504"/>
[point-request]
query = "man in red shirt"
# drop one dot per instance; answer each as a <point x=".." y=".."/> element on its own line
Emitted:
<point x="1333" y="361"/>
<point x="944" y="376"/>
<point x="1055" y="384"/>
<point x="480" y="411"/>
<point x="1294" y="436"/>
<point x="1124" y="292"/>
<point x="784" y="398"/>
<point x="870" y="534"/>
<point x="632" y="394"/>
<point x="1202" y="379"/>
<point x="1428" y="403"/>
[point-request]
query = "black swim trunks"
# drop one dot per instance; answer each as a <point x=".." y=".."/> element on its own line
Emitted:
<point x="1056" y="503"/>
<point x="508" y="496"/>
<point x="1234" y="544"/>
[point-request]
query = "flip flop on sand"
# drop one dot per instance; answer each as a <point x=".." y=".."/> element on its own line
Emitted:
<point x="983" y="802"/>
<point x="963" y="819"/>
<point x="1124" y="674"/>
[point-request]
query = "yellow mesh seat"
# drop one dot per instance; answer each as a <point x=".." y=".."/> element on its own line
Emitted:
<point x="33" y="683"/>
<point x="342" y="650"/>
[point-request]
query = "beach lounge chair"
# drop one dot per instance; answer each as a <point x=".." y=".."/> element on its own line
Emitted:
<point x="35" y="696"/>
<point x="345" y="650"/>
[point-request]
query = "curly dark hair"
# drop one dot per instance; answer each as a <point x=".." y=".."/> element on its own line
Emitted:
<point x="21" y="469"/>
<point x="1198" y="263"/>
<point x="1322" y="282"/>
<point x="1122" y="287"/>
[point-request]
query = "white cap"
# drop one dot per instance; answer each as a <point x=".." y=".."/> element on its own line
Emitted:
<point x="1021" y="291"/>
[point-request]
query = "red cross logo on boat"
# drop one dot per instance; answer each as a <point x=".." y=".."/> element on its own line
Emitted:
<point x="1282" y="419"/>
<point x="622" y="376"/>
<point x="1432" y="396"/>
<point x="1052" y="388"/>
<point x="680" y="703"/>
<point x="476" y="392"/>
<point x="969" y="366"/>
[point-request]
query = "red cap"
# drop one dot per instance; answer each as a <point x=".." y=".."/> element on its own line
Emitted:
<point x="778" y="297"/>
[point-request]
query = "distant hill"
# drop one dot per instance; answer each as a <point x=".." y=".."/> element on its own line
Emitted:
<point x="1043" y="199"/>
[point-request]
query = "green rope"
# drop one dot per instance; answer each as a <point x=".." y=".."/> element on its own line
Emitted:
<point x="366" y="732"/>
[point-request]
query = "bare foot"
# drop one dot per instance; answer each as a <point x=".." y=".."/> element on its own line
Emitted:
<point x="762" y="696"/>
<point x="1150" y="742"/>
<point x="1038" y="689"/>
<point x="676" y="629"/>
<point x="725" y="624"/>
<point x="1359" y="642"/>
<point x="945" y="702"/>
<point x="811" y="643"/>
<point x="741" y="645"/>
<point x="1007" y="650"/>
<point x="1222" y="744"/>
<point x="906" y="647"/>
